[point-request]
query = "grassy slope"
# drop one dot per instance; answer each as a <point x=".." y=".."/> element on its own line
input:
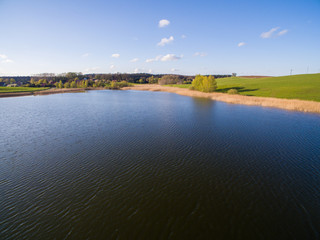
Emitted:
<point x="305" y="87"/>
<point x="19" y="89"/>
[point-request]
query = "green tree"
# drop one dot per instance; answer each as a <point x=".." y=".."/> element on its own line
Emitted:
<point x="73" y="84"/>
<point x="71" y="75"/>
<point x="204" y="83"/>
<point x="170" y="79"/>
<point x="60" y="84"/>
<point x="66" y="85"/>
<point x="197" y="83"/>
<point x="209" y="84"/>
<point x="12" y="80"/>
<point x="141" y="80"/>
<point x="85" y="83"/>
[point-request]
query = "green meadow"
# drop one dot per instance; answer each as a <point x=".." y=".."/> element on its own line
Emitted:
<point x="20" y="89"/>
<point x="304" y="87"/>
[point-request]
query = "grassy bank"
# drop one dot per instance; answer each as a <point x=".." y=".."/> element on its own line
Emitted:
<point x="304" y="87"/>
<point x="20" y="89"/>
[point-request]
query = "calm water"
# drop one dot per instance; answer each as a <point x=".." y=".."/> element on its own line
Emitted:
<point x="154" y="165"/>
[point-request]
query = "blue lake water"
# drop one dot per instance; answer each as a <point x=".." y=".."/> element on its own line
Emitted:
<point x="156" y="165"/>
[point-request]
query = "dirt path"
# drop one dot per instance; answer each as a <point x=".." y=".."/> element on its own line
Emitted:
<point x="288" y="104"/>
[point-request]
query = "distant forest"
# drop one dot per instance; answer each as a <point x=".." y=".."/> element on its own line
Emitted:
<point x="51" y="80"/>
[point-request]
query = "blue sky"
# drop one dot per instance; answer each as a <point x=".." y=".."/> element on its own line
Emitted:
<point x="196" y="37"/>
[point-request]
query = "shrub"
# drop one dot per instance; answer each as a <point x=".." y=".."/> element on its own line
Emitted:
<point x="204" y="83"/>
<point x="123" y="84"/>
<point x="117" y="85"/>
<point x="232" y="91"/>
<point x="170" y="79"/>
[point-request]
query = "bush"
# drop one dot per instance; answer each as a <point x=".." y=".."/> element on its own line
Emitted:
<point x="232" y="91"/>
<point x="170" y="79"/>
<point x="117" y="85"/>
<point x="204" y="83"/>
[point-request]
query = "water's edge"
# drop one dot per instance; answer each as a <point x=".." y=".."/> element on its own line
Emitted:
<point x="287" y="104"/>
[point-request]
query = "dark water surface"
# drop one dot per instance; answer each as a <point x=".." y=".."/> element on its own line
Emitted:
<point x="154" y="165"/>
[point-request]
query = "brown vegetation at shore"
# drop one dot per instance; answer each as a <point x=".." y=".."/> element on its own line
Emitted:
<point x="60" y="90"/>
<point x="44" y="92"/>
<point x="288" y="104"/>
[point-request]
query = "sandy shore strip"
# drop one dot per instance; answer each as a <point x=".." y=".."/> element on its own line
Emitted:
<point x="288" y="104"/>
<point x="44" y="92"/>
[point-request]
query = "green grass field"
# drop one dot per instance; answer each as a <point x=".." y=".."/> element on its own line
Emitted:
<point x="305" y="87"/>
<point x="20" y="89"/>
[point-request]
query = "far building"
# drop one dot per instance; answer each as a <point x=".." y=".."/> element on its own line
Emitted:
<point x="234" y="74"/>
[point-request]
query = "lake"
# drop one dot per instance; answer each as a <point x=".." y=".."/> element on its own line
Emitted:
<point x="156" y="165"/>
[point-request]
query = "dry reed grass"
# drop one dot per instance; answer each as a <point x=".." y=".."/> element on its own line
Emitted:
<point x="288" y="104"/>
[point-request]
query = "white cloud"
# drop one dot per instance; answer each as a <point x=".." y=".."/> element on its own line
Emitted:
<point x="169" y="57"/>
<point x="174" y="70"/>
<point x="241" y="44"/>
<point x="150" y="71"/>
<point x="115" y="55"/>
<point x="85" y="55"/>
<point x="88" y="70"/>
<point x="183" y="36"/>
<point x="7" y="61"/>
<point x="137" y="70"/>
<point x="283" y="32"/>
<point x="165" y="41"/>
<point x="200" y="54"/>
<point x="134" y="60"/>
<point x="157" y="58"/>
<point x="269" y="33"/>
<point x="112" y="66"/>
<point x="166" y="58"/>
<point x="164" y="23"/>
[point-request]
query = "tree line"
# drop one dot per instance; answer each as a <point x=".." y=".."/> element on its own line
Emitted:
<point x="79" y="80"/>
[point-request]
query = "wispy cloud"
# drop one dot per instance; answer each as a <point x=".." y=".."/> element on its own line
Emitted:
<point x="269" y="33"/>
<point x="115" y="55"/>
<point x="164" y="23"/>
<point x="134" y="60"/>
<point x="240" y="44"/>
<point x="112" y="67"/>
<point x="85" y="55"/>
<point x="283" y="32"/>
<point x="174" y="70"/>
<point x="157" y="58"/>
<point x="200" y="54"/>
<point x="273" y="31"/>
<point x="5" y="59"/>
<point x="137" y="70"/>
<point x="183" y="36"/>
<point x="88" y="70"/>
<point x="165" y="41"/>
<point x="165" y="58"/>
<point x="170" y="57"/>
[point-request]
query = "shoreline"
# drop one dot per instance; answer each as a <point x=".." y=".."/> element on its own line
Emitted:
<point x="281" y="103"/>
<point x="287" y="104"/>
<point x="43" y="92"/>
